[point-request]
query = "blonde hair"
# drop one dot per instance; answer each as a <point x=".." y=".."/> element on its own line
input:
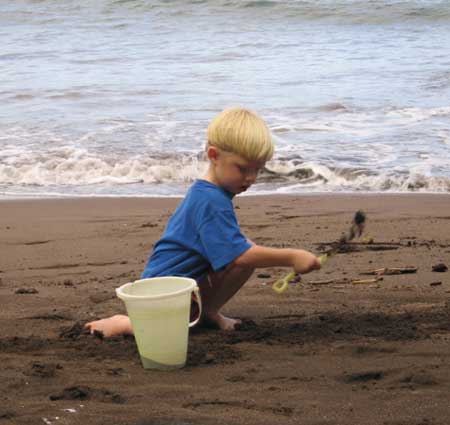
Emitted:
<point x="242" y="132"/>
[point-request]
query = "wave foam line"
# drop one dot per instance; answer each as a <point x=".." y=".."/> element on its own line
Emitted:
<point x="76" y="168"/>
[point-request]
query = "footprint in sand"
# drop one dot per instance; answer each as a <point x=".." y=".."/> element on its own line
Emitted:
<point x="86" y="393"/>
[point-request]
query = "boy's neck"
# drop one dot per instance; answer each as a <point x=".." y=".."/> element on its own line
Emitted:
<point x="210" y="176"/>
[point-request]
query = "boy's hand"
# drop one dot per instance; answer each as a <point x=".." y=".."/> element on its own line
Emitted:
<point x="304" y="262"/>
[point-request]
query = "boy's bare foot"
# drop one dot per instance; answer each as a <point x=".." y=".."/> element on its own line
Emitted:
<point x="220" y="321"/>
<point x="227" y="323"/>
<point x="111" y="326"/>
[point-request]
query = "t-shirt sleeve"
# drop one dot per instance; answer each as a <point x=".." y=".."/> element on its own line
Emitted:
<point x="222" y="239"/>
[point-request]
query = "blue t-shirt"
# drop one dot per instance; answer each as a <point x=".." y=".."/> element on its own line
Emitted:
<point x="202" y="234"/>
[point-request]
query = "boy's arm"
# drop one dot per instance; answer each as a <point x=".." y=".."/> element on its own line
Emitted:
<point x="260" y="256"/>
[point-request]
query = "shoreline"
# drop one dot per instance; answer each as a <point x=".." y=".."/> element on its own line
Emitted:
<point x="252" y="195"/>
<point x="240" y="196"/>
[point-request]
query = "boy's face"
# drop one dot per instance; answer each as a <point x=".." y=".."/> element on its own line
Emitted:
<point x="233" y="172"/>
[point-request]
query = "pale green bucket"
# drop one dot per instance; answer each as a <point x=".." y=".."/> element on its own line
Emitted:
<point x="159" y="310"/>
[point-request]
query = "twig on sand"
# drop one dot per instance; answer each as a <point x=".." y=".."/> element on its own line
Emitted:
<point x="344" y="281"/>
<point x="391" y="271"/>
<point x="348" y="247"/>
<point x="328" y="282"/>
<point x="366" y="281"/>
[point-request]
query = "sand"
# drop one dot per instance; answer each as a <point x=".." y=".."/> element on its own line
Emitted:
<point x="327" y="351"/>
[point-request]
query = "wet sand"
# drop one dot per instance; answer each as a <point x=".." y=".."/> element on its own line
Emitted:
<point x="327" y="351"/>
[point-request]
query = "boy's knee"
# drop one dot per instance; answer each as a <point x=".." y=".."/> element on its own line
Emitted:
<point x="241" y="270"/>
<point x="232" y="269"/>
<point x="244" y="269"/>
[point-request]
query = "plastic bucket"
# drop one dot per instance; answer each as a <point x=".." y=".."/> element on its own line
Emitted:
<point x="159" y="312"/>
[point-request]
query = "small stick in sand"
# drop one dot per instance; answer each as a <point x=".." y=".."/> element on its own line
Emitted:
<point x="356" y="229"/>
<point x="344" y="281"/>
<point x="328" y="282"/>
<point x="366" y="281"/>
<point x="321" y="282"/>
<point x="391" y="271"/>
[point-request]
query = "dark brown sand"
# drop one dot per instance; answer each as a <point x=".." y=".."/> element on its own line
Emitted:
<point x="331" y="353"/>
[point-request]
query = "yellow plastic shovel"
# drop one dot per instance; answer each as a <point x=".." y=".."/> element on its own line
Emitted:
<point x="282" y="284"/>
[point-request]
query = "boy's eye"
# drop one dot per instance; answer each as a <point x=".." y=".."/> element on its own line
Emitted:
<point x="246" y="170"/>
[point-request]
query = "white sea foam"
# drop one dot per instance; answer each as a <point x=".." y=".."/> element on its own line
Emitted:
<point x="70" y="166"/>
<point x="79" y="172"/>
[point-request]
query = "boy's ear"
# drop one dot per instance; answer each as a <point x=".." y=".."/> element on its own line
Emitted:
<point x="212" y="152"/>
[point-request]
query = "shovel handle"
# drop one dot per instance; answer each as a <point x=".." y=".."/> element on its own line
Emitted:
<point x="282" y="284"/>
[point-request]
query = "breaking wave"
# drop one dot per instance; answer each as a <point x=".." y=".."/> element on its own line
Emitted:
<point x="76" y="171"/>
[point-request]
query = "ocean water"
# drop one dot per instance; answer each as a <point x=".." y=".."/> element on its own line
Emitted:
<point x="113" y="97"/>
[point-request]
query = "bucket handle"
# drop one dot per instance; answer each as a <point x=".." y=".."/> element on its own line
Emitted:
<point x="199" y="302"/>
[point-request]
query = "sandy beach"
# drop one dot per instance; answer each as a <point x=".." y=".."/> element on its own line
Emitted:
<point x="328" y="351"/>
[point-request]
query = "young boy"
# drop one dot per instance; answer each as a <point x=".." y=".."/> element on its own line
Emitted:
<point x="202" y="239"/>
